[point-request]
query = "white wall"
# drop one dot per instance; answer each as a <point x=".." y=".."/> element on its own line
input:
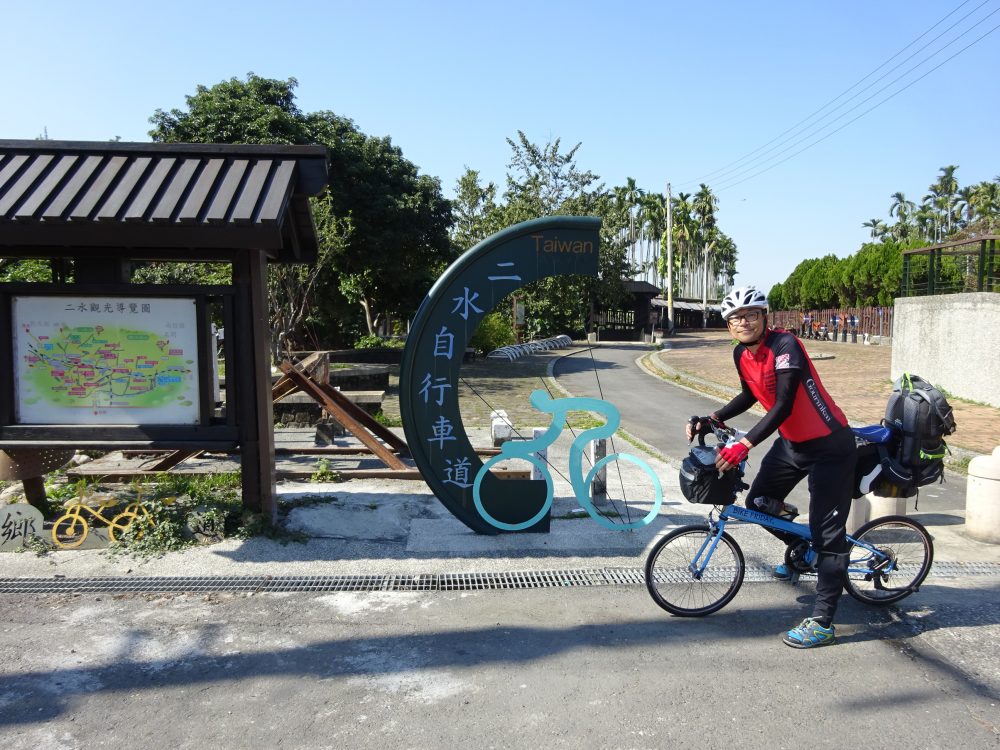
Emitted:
<point x="952" y="341"/>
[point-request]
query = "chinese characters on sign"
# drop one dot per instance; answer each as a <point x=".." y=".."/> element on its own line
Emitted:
<point x="18" y="524"/>
<point x="114" y="360"/>
<point x="472" y="287"/>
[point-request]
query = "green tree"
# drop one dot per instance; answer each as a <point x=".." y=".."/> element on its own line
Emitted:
<point x="818" y="285"/>
<point x="399" y="220"/>
<point x="793" y="290"/>
<point x="776" y="297"/>
<point x="473" y="210"/>
<point x="257" y="110"/>
<point x="399" y="240"/>
<point x="544" y="181"/>
<point x="28" y="269"/>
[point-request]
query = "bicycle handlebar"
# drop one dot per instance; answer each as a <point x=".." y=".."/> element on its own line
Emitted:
<point x="722" y="433"/>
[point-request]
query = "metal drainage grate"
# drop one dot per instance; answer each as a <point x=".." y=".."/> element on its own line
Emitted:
<point x="276" y="584"/>
<point x="395" y="582"/>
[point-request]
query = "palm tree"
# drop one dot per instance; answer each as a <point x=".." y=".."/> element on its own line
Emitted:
<point x="705" y="205"/>
<point x="965" y="205"/>
<point x="877" y="226"/>
<point x="684" y="231"/>
<point x="986" y="200"/>
<point x="942" y="195"/>
<point x="926" y="219"/>
<point x="653" y="215"/>
<point x="902" y="209"/>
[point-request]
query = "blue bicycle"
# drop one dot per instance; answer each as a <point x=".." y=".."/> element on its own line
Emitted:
<point x="696" y="570"/>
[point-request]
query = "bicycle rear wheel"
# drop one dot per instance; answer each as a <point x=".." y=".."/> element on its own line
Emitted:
<point x="677" y="582"/>
<point x="902" y="557"/>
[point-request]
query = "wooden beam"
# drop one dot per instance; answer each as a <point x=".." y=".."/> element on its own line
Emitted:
<point x="173" y="459"/>
<point x="366" y="419"/>
<point x="318" y="450"/>
<point x="351" y="424"/>
<point x="284" y="385"/>
<point x="127" y="475"/>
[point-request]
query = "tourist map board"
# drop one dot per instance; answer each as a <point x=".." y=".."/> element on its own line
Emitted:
<point x="105" y="360"/>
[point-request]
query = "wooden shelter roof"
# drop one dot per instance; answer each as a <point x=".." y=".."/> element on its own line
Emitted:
<point x="158" y="201"/>
<point x="640" y="287"/>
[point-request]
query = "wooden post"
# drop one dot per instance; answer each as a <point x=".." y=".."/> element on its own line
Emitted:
<point x="34" y="491"/>
<point x="980" y="286"/>
<point x="252" y="362"/>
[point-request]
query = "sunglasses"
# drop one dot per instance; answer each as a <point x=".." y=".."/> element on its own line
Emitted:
<point x="750" y="317"/>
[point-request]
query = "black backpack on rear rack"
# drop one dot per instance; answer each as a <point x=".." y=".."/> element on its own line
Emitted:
<point x="919" y="417"/>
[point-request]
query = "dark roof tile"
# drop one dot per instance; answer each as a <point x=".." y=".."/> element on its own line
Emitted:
<point x="49" y="188"/>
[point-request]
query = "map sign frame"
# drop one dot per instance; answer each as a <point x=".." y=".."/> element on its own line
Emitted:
<point x="105" y="360"/>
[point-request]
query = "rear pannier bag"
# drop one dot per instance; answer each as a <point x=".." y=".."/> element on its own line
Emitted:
<point x="920" y="417"/>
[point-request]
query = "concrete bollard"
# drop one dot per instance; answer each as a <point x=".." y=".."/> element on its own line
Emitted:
<point x="500" y="427"/>
<point x="598" y="450"/>
<point x="871" y="506"/>
<point x="858" y="516"/>
<point x="982" y="498"/>
<point x="886" y="506"/>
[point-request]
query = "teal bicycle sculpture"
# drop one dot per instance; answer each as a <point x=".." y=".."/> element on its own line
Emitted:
<point x="582" y="484"/>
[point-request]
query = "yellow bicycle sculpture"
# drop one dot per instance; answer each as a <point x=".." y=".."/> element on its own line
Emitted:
<point x="70" y="529"/>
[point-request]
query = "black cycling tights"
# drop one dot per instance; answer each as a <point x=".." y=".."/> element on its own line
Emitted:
<point x="829" y="464"/>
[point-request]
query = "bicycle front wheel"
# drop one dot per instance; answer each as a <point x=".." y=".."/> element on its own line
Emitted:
<point x="688" y="578"/>
<point x="889" y="559"/>
<point x="70" y="530"/>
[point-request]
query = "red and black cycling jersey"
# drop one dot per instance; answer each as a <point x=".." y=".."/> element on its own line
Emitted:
<point x="781" y="374"/>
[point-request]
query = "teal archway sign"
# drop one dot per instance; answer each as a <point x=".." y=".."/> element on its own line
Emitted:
<point x="432" y="360"/>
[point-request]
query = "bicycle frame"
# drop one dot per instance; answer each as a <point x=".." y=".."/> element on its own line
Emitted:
<point x="740" y="514"/>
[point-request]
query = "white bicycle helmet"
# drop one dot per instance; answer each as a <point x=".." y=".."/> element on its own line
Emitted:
<point x="743" y="297"/>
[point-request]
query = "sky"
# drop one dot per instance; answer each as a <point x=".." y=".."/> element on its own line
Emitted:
<point x="767" y="103"/>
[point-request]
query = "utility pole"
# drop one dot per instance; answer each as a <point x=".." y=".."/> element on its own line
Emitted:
<point x="670" y="263"/>
<point x="704" y="290"/>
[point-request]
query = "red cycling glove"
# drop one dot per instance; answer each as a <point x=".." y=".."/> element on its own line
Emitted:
<point x="734" y="454"/>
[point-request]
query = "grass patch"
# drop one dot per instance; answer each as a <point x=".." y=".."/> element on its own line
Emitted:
<point x="324" y="473"/>
<point x="387" y="421"/>
<point x="583" y="420"/>
<point x="635" y="443"/>
<point x="184" y="510"/>
<point x="958" y="464"/>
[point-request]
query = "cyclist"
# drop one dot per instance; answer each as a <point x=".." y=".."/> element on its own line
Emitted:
<point x="814" y="441"/>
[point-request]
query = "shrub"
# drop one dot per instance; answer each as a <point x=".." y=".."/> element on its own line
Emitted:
<point x="371" y="341"/>
<point x="493" y="332"/>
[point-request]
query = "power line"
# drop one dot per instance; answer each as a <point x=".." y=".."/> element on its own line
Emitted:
<point x="816" y="126"/>
<point x="780" y="140"/>
<point x="816" y="130"/>
<point x="876" y="106"/>
<point x="869" y="75"/>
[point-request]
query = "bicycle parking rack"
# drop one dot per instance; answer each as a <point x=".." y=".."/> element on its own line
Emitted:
<point x="516" y="351"/>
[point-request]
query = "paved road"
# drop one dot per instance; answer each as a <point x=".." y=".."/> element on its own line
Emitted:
<point x="597" y="667"/>
<point x="655" y="411"/>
